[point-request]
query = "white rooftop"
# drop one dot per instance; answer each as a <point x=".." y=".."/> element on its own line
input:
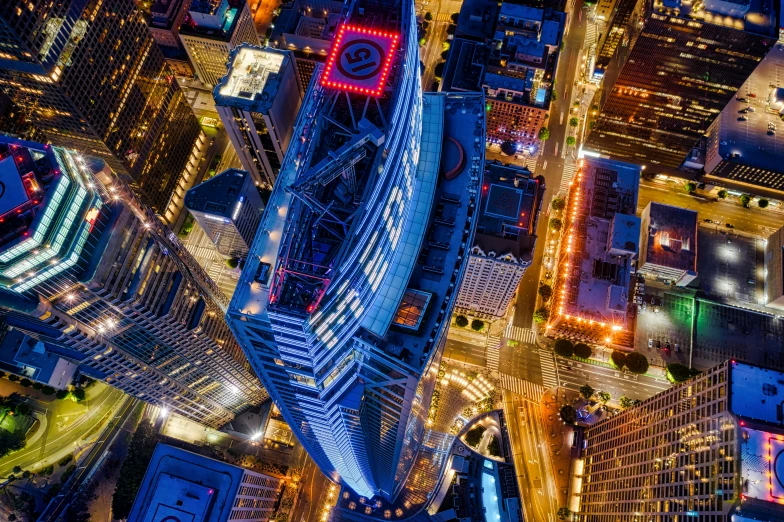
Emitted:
<point x="250" y="71"/>
<point x="756" y="393"/>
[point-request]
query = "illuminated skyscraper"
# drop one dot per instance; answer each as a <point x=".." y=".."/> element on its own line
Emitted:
<point x="91" y="78"/>
<point x="258" y="100"/>
<point x="344" y="301"/>
<point x="85" y="264"/>
<point x="708" y="449"/>
<point x="669" y="67"/>
<point x="211" y="30"/>
<point x="228" y="208"/>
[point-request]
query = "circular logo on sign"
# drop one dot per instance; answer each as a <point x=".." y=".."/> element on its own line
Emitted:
<point x="2" y="189"/>
<point x="360" y="59"/>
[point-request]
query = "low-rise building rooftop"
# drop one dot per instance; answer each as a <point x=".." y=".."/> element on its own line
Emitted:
<point x="668" y="244"/>
<point x="597" y="254"/>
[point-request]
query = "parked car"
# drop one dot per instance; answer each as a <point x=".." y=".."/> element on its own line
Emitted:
<point x="650" y="343"/>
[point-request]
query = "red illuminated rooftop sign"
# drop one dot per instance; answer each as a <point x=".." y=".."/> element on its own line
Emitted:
<point x="360" y="60"/>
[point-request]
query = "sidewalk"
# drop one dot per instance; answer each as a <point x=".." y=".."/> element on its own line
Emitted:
<point x="558" y="436"/>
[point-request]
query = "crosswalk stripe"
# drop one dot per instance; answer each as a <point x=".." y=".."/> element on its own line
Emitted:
<point x="517" y="333"/>
<point x="443" y="17"/>
<point x="549" y="372"/>
<point x="493" y="351"/>
<point x="519" y="386"/>
<point x="568" y="174"/>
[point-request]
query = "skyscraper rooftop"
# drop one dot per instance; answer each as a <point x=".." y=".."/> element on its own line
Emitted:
<point x="345" y="298"/>
<point x="253" y="77"/>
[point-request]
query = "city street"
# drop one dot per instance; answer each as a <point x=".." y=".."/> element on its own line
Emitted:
<point x="67" y="425"/>
<point x="89" y="464"/>
<point x="430" y="53"/>
<point x="315" y="488"/>
<point x="551" y="162"/>
<point x="466" y="352"/>
<point x="531" y="458"/>
<point x="573" y="374"/>
<point x="753" y="220"/>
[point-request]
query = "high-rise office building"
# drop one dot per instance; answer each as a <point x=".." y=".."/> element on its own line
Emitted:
<point x="90" y="77"/>
<point x="708" y="449"/>
<point x="669" y="67"/>
<point x="164" y="18"/>
<point x="180" y="485"/>
<point x="504" y="240"/>
<point x="228" y="208"/>
<point x="86" y="265"/>
<point x="344" y="301"/>
<point x="258" y="101"/>
<point x="306" y="29"/>
<point x="211" y="30"/>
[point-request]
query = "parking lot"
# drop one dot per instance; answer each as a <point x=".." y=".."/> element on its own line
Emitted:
<point x="721" y="332"/>
<point x="668" y="320"/>
<point x="725" y="333"/>
<point x="730" y="267"/>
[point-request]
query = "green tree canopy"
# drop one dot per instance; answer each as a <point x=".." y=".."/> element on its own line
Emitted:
<point x="508" y="147"/>
<point x="763" y="203"/>
<point x="564" y="347"/>
<point x="556" y="224"/>
<point x="461" y="321"/>
<point x="564" y="513"/>
<point x="690" y="187"/>
<point x="583" y="351"/>
<point x="745" y="199"/>
<point x="586" y="391"/>
<point x="636" y="363"/>
<point x="574" y="122"/>
<point x="546" y="291"/>
<point x="428" y="16"/>
<point x="568" y="414"/>
<point x="604" y="397"/>
<point x="541" y="315"/>
<point x="133" y="468"/>
<point x="722" y="194"/>
<point x="571" y="141"/>
<point x="477" y="325"/>
<point x="544" y="132"/>
<point x="680" y="372"/>
<point x="558" y="204"/>
<point x="618" y="359"/>
<point x="10" y="442"/>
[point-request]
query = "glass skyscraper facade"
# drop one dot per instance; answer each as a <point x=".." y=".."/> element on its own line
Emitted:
<point x="342" y="306"/>
<point x="85" y="265"/>
<point x="669" y="68"/>
<point x="91" y="78"/>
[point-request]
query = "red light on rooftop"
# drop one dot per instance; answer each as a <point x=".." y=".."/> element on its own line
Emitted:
<point x="360" y="60"/>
